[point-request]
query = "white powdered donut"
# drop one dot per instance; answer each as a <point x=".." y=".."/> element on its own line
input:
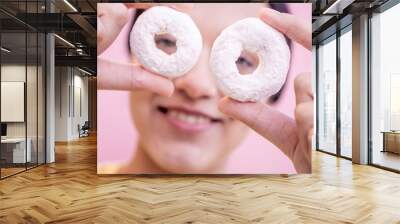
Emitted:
<point x="268" y="44"/>
<point x="162" y="20"/>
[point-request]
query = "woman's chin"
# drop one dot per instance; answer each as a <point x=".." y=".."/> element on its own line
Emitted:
<point x="183" y="158"/>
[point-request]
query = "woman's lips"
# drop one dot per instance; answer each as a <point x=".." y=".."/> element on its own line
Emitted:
<point x="187" y="121"/>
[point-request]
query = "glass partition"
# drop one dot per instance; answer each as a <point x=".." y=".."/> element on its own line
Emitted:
<point x="327" y="95"/>
<point x="31" y="99"/>
<point x="385" y="89"/>
<point x="346" y="92"/>
<point x="13" y="105"/>
<point x="314" y="88"/>
<point x="41" y="107"/>
<point x="22" y="89"/>
<point x="32" y="73"/>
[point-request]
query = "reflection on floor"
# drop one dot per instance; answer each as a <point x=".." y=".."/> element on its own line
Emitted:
<point x="386" y="159"/>
<point x="70" y="191"/>
<point x="346" y="152"/>
<point x="11" y="169"/>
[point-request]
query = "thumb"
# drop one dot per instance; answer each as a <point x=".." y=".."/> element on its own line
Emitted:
<point x="268" y="122"/>
<point x="118" y="76"/>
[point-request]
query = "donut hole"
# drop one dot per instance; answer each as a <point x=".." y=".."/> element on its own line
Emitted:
<point x="247" y="62"/>
<point x="165" y="42"/>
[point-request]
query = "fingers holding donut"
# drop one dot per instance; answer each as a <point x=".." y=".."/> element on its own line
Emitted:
<point x="304" y="114"/>
<point x="166" y="41"/>
<point x="270" y="47"/>
<point x="246" y="92"/>
<point x="292" y="136"/>
<point x="302" y="88"/>
<point x="290" y="25"/>
<point x="118" y="76"/>
<point x="111" y="17"/>
<point x="265" y="120"/>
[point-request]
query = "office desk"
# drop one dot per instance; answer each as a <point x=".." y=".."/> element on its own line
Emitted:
<point x="391" y="141"/>
<point x="15" y="148"/>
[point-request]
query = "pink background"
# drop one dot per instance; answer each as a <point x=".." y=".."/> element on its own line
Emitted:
<point x="116" y="134"/>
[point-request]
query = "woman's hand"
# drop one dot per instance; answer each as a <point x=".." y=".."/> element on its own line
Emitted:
<point x="111" y="18"/>
<point x="292" y="136"/>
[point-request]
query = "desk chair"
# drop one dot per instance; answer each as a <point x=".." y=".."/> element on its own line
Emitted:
<point x="84" y="130"/>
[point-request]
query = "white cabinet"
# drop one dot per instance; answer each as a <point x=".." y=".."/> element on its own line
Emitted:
<point x="17" y="145"/>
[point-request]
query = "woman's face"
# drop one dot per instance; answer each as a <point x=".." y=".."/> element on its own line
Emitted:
<point x="186" y="133"/>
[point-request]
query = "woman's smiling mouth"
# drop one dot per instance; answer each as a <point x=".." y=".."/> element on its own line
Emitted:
<point x="186" y="120"/>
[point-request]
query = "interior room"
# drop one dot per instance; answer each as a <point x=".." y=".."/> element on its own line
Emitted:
<point x="25" y="67"/>
<point x="49" y="131"/>
<point x="333" y="55"/>
<point x="22" y="99"/>
<point x="385" y="110"/>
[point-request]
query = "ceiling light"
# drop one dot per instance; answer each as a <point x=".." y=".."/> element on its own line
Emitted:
<point x="337" y="7"/>
<point x="5" y="50"/>
<point x="79" y="51"/>
<point x="64" y="40"/>
<point x="333" y="6"/>
<point x="70" y="5"/>
<point x="84" y="71"/>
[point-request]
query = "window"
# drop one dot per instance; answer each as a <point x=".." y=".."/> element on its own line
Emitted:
<point x="385" y="89"/>
<point x="327" y="96"/>
<point x="314" y="87"/>
<point x="22" y="76"/>
<point x="346" y="75"/>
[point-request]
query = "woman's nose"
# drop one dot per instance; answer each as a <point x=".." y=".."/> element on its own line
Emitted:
<point x="198" y="83"/>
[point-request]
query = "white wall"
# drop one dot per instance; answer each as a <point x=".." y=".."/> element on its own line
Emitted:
<point x="70" y="83"/>
<point x="33" y="127"/>
<point x="12" y="73"/>
<point x="81" y="103"/>
<point x="62" y="81"/>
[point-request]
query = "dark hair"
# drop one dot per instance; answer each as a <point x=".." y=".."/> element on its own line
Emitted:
<point x="280" y="7"/>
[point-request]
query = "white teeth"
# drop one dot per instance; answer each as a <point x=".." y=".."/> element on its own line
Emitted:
<point x="188" y="118"/>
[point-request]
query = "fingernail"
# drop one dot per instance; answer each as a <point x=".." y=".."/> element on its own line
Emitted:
<point x="100" y="29"/>
<point x="171" y="92"/>
<point x="183" y="6"/>
<point x="266" y="13"/>
<point x="221" y="104"/>
<point x="228" y="103"/>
